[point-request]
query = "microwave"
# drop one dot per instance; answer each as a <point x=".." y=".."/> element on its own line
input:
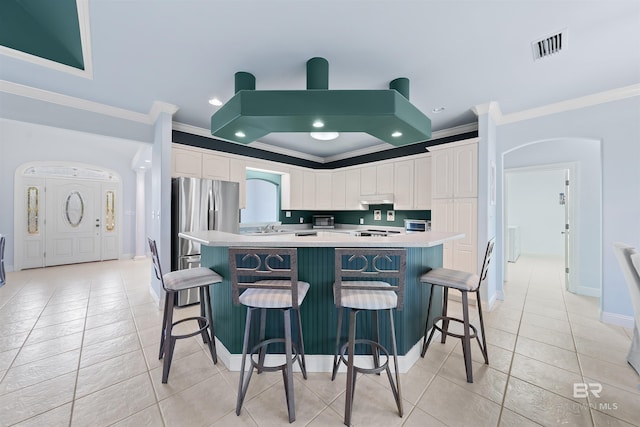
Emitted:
<point x="417" y="225"/>
<point x="322" y="221"/>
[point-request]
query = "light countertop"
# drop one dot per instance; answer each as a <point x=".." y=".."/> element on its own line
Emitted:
<point x="323" y="238"/>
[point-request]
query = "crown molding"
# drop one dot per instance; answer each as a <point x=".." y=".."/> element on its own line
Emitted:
<point x="73" y="102"/>
<point x="160" y="107"/>
<point x="493" y="108"/>
<point x="85" y="40"/>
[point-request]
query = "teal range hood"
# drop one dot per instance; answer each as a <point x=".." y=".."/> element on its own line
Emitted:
<point x="384" y="114"/>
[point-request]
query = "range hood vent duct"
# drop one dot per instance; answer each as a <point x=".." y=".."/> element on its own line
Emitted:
<point x="376" y="199"/>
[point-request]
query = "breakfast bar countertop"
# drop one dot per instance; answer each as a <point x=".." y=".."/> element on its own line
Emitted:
<point x="321" y="238"/>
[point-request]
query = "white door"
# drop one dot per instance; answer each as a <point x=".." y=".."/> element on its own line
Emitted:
<point x="73" y="221"/>
<point x="566" y="230"/>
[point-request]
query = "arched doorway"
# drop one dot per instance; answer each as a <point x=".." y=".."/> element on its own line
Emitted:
<point x="65" y="213"/>
<point x="586" y="191"/>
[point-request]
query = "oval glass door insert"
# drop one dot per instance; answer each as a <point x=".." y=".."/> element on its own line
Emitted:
<point x="74" y="209"/>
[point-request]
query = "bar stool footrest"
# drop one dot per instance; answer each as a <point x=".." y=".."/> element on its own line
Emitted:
<point x="374" y="345"/>
<point x="189" y="319"/>
<point x="473" y="334"/>
<point x="255" y="352"/>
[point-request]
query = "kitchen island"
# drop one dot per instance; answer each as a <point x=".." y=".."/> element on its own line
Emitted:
<point x="316" y="266"/>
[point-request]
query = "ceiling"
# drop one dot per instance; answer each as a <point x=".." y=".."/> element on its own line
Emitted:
<point x="456" y="54"/>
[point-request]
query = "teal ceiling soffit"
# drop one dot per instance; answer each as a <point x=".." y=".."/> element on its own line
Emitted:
<point x="384" y="114"/>
<point x="43" y="28"/>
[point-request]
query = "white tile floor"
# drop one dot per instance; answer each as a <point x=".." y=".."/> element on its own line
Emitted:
<point x="78" y="346"/>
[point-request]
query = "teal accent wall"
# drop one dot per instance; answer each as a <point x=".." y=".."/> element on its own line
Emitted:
<point x="353" y="217"/>
<point x="318" y="312"/>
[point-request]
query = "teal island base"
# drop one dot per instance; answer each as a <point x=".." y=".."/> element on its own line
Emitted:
<point x="319" y="314"/>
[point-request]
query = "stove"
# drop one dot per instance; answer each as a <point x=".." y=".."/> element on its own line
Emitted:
<point x="373" y="233"/>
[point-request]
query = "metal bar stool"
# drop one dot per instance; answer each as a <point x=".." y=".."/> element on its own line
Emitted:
<point x="465" y="283"/>
<point x="267" y="278"/>
<point x="372" y="280"/>
<point x="173" y="282"/>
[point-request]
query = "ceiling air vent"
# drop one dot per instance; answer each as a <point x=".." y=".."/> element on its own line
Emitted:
<point x="549" y="45"/>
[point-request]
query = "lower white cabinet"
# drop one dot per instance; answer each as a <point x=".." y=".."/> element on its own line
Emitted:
<point x="458" y="215"/>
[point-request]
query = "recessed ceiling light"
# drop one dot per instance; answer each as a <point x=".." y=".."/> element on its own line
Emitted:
<point x="318" y="124"/>
<point x="240" y="134"/>
<point x="147" y="161"/>
<point x="396" y="134"/>
<point x="438" y="110"/>
<point x="215" y="101"/>
<point x="324" y="136"/>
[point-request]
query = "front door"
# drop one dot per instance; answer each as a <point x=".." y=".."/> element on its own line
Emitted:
<point x="73" y="221"/>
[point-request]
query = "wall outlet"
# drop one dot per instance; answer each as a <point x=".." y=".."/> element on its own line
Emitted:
<point x="361" y="221"/>
<point x="377" y="215"/>
<point x="301" y="220"/>
<point x="391" y="215"/>
<point x="287" y="214"/>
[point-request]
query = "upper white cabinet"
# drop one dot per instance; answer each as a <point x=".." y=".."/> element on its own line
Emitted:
<point x="238" y="173"/>
<point x="339" y="190"/>
<point x="412" y="184"/>
<point x="403" y="185"/>
<point x="215" y="167"/>
<point x="377" y="179"/>
<point x="352" y="190"/>
<point x="455" y="171"/>
<point x="323" y="190"/>
<point x="422" y="183"/>
<point x="186" y="162"/>
<point x="308" y="190"/>
<point x="199" y="163"/>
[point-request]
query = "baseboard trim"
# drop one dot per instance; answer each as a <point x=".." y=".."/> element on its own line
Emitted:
<point x="617" y="319"/>
<point x="588" y="292"/>
<point x="323" y="362"/>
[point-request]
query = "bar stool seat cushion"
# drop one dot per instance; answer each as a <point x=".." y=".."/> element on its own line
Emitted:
<point x="367" y="299"/>
<point x="273" y="298"/>
<point x="452" y="279"/>
<point x="190" y="278"/>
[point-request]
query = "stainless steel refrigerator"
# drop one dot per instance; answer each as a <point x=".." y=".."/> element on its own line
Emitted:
<point x="197" y="205"/>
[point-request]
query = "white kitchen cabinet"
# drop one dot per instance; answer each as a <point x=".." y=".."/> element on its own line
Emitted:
<point x="455" y="171"/>
<point x="460" y="216"/>
<point x="352" y="190"/>
<point x="377" y="179"/>
<point x="215" y="167"/>
<point x="338" y="190"/>
<point x="384" y="178"/>
<point x="403" y="185"/>
<point x="186" y="162"/>
<point x="442" y="220"/>
<point x="308" y="190"/>
<point x="465" y="171"/>
<point x="238" y="173"/>
<point x="368" y="180"/>
<point x="296" y="190"/>
<point x="465" y="219"/>
<point x="422" y="183"/>
<point x="323" y="190"/>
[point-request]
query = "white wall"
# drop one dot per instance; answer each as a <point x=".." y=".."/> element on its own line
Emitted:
<point x="22" y="142"/>
<point x="615" y="125"/>
<point x="533" y="206"/>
